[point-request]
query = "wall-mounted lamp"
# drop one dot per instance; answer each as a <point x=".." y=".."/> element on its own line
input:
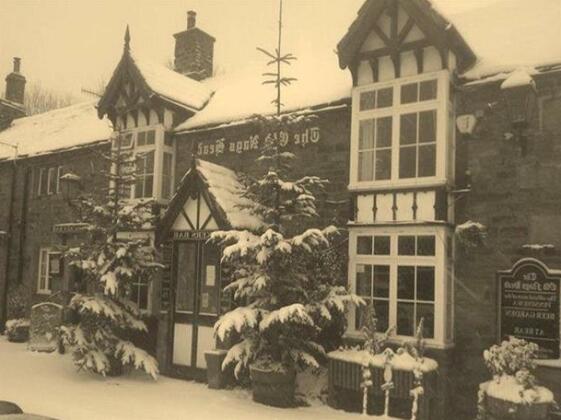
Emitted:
<point x="520" y="96"/>
<point x="71" y="187"/>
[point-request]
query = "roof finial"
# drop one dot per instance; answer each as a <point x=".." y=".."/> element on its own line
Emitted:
<point x="127" y="38"/>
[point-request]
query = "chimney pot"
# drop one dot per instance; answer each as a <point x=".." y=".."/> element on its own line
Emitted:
<point x="191" y="19"/>
<point x="17" y="64"/>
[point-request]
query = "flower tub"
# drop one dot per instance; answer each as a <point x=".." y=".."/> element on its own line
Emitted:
<point x="274" y="387"/>
<point x="505" y="399"/>
<point x="17" y="330"/>
<point x="345" y="376"/>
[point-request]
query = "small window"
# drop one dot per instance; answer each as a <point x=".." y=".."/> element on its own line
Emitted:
<point x="50" y="270"/>
<point x="376" y="99"/>
<point x="140" y="295"/>
<point x="422" y="245"/>
<point x="144" y="183"/>
<point x="52" y="181"/>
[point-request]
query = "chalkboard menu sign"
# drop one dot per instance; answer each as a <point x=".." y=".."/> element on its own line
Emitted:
<point x="529" y="305"/>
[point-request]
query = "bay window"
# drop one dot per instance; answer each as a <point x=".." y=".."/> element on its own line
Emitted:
<point x="154" y="152"/>
<point x="399" y="133"/>
<point x="404" y="273"/>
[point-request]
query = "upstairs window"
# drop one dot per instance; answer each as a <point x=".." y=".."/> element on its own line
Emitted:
<point x="399" y="133"/>
<point x="48" y="180"/>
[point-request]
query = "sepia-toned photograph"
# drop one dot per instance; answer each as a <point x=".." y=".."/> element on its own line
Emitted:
<point x="280" y="209"/>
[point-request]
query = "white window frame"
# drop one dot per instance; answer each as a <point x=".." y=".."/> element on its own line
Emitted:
<point x="45" y="264"/>
<point x="51" y="172"/>
<point x="443" y="287"/>
<point x="441" y="104"/>
<point x="159" y="147"/>
<point x="41" y="175"/>
<point x="149" y="286"/>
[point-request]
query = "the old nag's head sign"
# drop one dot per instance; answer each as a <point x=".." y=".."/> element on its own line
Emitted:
<point x="529" y="305"/>
<point x="302" y="137"/>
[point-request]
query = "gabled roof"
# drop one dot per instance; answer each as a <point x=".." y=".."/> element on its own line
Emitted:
<point x="154" y="81"/>
<point x="60" y="129"/>
<point x="224" y="192"/>
<point x="426" y="17"/>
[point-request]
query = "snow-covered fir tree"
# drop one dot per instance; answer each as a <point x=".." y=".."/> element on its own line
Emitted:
<point x="108" y="266"/>
<point x="283" y="303"/>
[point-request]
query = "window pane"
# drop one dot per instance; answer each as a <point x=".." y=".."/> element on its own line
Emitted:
<point x="426" y="311"/>
<point x="141" y="140"/>
<point x="52" y="180"/>
<point x="382" y="309"/>
<point x="405" y="282"/>
<point x="150" y="163"/>
<point x="368" y="100"/>
<point x="366" y="166"/>
<point x="407" y="162"/>
<point x="364" y="280"/>
<point x="425" y="283"/>
<point x="427" y="126"/>
<point x="366" y="135"/>
<point x="406" y="245"/>
<point x="381" y="281"/>
<point x="186" y="258"/>
<point x="428" y="90"/>
<point x="150" y="137"/>
<point x="385" y="97"/>
<point x="408" y="129"/>
<point x="44" y="181"/>
<point x="409" y="93"/>
<point x="425" y="245"/>
<point x="427" y="160"/>
<point x="148" y="186"/>
<point x="405" y="318"/>
<point x="383" y="164"/>
<point x="384" y="134"/>
<point x="364" y="245"/>
<point x="139" y="188"/>
<point x="381" y="245"/>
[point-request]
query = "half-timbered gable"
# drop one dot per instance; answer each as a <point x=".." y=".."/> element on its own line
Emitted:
<point x="403" y="57"/>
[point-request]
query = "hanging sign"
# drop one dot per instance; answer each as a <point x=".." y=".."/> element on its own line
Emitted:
<point x="529" y="298"/>
<point x="223" y="145"/>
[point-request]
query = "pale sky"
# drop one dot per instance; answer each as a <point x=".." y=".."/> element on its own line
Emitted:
<point x="69" y="44"/>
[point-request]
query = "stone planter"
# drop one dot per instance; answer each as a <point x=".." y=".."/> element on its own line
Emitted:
<point x="19" y="334"/>
<point x="215" y="376"/>
<point x="271" y="387"/>
<point x="508" y="410"/>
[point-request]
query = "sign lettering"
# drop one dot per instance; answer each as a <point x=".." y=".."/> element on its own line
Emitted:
<point x="529" y="297"/>
<point x="191" y="234"/>
<point x="223" y="145"/>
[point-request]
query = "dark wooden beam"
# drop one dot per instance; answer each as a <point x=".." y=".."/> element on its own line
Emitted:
<point x="419" y="56"/>
<point x="382" y="35"/>
<point x="381" y="52"/>
<point x="405" y="31"/>
<point x="353" y="67"/>
<point x="374" y="65"/>
<point x="392" y="12"/>
<point x="396" y="60"/>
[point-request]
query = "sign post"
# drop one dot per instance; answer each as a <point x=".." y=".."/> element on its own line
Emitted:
<point x="529" y="305"/>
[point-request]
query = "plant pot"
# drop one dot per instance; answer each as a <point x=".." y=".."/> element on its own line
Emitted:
<point x="215" y="376"/>
<point x="19" y="334"/>
<point x="273" y="387"/>
<point x="508" y="410"/>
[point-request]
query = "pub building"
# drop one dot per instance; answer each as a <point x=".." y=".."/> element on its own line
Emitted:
<point x="428" y="126"/>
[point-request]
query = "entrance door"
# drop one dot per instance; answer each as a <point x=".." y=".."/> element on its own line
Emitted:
<point x="197" y="304"/>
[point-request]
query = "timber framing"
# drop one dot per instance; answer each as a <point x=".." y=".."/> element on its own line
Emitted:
<point x="438" y="32"/>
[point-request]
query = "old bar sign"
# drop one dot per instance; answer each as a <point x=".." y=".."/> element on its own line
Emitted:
<point x="529" y="305"/>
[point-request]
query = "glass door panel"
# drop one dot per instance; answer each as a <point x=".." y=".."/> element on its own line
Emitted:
<point x="186" y="276"/>
<point x="210" y="281"/>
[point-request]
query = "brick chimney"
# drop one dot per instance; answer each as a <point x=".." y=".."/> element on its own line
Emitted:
<point x="15" y="83"/>
<point x="194" y="50"/>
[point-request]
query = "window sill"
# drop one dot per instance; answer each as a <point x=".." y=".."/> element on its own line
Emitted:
<point x="44" y="292"/>
<point x="549" y="363"/>
<point x="398" y="185"/>
<point x="399" y="340"/>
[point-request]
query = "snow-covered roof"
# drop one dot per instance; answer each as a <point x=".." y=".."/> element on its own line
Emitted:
<point x="172" y="85"/>
<point x="227" y="190"/>
<point x="240" y="95"/>
<point x="63" y="128"/>
<point x="509" y="34"/>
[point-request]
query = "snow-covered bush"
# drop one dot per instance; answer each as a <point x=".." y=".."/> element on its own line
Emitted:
<point x="109" y="266"/>
<point x="510" y="357"/>
<point x="285" y="304"/>
<point x="13" y="324"/>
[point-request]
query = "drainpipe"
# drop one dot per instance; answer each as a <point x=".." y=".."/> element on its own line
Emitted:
<point x="4" y="297"/>
<point x="23" y="222"/>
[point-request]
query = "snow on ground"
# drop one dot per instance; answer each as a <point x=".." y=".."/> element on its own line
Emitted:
<point x="49" y="384"/>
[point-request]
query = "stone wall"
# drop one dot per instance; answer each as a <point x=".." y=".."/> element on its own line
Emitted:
<point x="517" y="197"/>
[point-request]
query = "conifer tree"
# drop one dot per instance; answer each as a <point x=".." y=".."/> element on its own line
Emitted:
<point x="109" y="266"/>
<point x="284" y="305"/>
